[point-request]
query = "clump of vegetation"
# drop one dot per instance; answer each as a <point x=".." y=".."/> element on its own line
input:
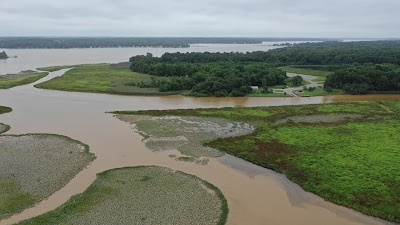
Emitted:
<point x="25" y="77"/>
<point x="347" y="153"/>
<point x="142" y="195"/>
<point x="4" y="109"/>
<point x="3" y="55"/>
<point x="34" y="166"/>
<point x="4" y="128"/>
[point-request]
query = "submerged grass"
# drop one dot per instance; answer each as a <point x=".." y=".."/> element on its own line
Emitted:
<point x="351" y="161"/>
<point x="34" y="166"/>
<point x="13" y="80"/>
<point x="142" y="195"/>
<point x="102" y="78"/>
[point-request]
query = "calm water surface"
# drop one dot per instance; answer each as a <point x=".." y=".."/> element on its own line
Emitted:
<point x="255" y="195"/>
<point x="30" y="59"/>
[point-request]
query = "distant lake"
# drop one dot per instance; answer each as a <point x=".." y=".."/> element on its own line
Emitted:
<point x="30" y="59"/>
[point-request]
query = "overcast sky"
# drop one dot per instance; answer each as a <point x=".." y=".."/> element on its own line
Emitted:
<point x="201" y="18"/>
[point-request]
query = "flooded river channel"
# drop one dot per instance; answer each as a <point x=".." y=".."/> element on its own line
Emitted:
<point x="255" y="195"/>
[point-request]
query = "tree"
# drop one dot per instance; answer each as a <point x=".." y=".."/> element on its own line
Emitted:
<point x="297" y="80"/>
<point x="3" y="55"/>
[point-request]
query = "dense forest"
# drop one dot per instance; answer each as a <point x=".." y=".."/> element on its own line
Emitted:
<point x="323" y="53"/>
<point x="3" y="55"/>
<point x="361" y="79"/>
<point x="115" y="42"/>
<point x="359" y="67"/>
<point x="222" y="78"/>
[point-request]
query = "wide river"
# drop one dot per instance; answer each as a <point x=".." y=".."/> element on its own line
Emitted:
<point x="255" y="195"/>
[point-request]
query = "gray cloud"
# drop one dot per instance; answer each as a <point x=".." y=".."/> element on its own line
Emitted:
<point x="244" y="18"/>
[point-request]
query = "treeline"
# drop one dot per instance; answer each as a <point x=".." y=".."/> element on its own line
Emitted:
<point x="336" y="53"/>
<point x="221" y="78"/>
<point x="324" y="53"/>
<point x="3" y="55"/>
<point x="115" y="42"/>
<point x="361" y="79"/>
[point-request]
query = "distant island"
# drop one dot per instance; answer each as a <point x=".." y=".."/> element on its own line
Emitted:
<point x="283" y="44"/>
<point x="128" y="42"/>
<point x="3" y="55"/>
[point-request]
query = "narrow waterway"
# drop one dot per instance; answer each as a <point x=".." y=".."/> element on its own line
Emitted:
<point x="255" y="195"/>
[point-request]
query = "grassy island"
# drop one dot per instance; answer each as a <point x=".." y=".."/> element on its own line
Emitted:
<point x="348" y="153"/>
<point x="142" y="195"/>
<point x="34" y="166"/>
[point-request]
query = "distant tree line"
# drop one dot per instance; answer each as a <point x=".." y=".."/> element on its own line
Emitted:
<point x="3" y="55"/>
<point x="207" y="78"/>
<point x="115" y="42"/>
<point x="323" y="53"/>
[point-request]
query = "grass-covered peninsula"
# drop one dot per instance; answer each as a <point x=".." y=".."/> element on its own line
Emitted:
<point x="103" y="78"/>
<point x="142" y="195"/>
<point x="348" y="153"/>
<point x="25" y="77"/>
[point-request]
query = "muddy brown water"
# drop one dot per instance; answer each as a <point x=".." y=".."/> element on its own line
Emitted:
<point x="255" y="195"/>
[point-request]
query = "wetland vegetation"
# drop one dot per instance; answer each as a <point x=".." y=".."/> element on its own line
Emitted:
<point x="4" y="127"/>
<point x="103" y="78"/>
<point x="34" y="166"/>
<point x="25" y="77"/>
<point x="142" y="195"/>
<point x="185" y="134"/>
<point x="348" y="153"/>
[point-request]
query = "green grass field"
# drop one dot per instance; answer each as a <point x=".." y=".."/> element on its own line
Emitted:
<point x="348" y="153"/>
<point x="318" y="91"/>
<point x="318" y="73"/>
<point x="101" y="78"/>
<point x="27" y="77"/>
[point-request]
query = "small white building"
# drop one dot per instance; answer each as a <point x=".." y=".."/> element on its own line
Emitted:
<point x="254" y="88"/>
